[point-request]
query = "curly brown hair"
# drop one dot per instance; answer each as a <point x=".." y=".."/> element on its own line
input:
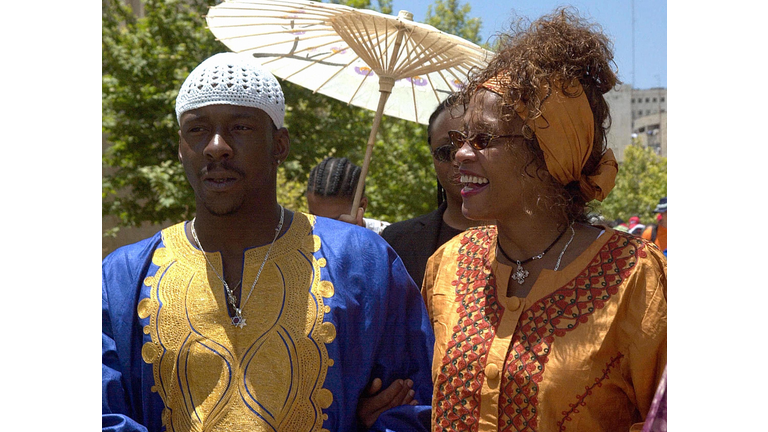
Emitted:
<point x="535" y="56"/>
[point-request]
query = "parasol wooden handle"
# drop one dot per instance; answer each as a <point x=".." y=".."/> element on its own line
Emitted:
<point x="386" y="83"/>
<point x="383" y="96"/>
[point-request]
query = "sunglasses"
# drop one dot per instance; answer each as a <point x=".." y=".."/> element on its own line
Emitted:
<point x="478" y="141"/>
<point x="444" y="153"/>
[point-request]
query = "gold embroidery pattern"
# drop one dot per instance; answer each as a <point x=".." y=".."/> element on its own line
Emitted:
<point x="267" y="376"/>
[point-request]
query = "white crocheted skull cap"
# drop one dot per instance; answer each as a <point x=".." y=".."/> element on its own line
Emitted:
<point x="232" y="79"/>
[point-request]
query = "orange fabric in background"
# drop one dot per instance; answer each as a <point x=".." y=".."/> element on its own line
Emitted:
<point x="661" y="236"/>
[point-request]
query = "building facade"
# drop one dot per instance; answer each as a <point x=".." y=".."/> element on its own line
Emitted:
<point x="639" y="115"/>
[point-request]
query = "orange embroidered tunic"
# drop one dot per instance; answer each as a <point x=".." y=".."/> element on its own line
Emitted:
<point x="584" y="350"/>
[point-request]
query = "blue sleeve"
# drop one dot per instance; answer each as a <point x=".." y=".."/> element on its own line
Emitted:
<point x="405" y="418"/>
<point x="114" y="401"/>
<point x="412" y="343"/>
<point x="127" y="402"/>
<point x="382" y="327"/>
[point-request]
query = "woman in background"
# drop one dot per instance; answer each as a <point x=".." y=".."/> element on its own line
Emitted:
<point x="415" y="240"/>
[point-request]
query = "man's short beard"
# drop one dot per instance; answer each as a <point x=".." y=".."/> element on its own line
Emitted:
<point x="222" y="210"/>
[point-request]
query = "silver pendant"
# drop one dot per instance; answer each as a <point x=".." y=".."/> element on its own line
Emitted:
<point x="520" y="274"/>
<point x="238" y="320"/>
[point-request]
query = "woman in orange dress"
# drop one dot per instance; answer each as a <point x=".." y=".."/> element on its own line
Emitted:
<point x="543" y="322"/>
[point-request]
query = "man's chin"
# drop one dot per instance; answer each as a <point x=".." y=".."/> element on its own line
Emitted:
<point x="221" y="209"/>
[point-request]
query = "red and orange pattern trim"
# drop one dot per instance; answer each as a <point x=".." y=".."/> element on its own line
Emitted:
<point x="459" y="383"/>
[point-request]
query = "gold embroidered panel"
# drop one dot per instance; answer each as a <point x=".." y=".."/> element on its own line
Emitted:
<point x="266" y="376"/>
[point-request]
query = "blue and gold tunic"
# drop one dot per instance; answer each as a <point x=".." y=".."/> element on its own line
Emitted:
<point x="333" y="309"/>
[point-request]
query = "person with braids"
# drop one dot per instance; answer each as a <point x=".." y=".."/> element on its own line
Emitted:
<point x="415" y="240"/>
<point x="331" y="193"/>
<point x="543" y="322"/>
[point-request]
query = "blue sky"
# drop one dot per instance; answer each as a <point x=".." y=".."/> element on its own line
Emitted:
<point x="615" y="16"/>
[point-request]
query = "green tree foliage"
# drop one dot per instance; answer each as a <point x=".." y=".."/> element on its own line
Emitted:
<point x="449" y="17"/>
<point x="144" y="62"/>
<point x="641" y="181"/>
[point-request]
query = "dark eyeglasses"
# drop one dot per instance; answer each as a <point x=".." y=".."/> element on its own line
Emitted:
<point x="478" y="141"/>
<point x="444" y="153"/>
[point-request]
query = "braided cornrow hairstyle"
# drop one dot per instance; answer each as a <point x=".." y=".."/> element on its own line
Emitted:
<point x="334" y="177"/>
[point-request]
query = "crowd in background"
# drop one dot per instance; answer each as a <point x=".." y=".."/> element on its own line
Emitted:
<point x="655" y="231"/>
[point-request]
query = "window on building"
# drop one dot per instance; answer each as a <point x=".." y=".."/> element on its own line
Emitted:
<point x="662" y="98"/>
<point x="654" y="99"/>
<point x="646" y="100"/>
<point x="633" y="100"/>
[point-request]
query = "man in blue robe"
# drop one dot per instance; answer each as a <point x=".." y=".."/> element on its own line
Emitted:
<point x="251" y="316"/>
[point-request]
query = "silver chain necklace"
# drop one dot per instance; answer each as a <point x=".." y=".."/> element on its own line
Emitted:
<point x="238" y="319"/>
<point x="520" y="273"/>
<point x="557" y="266"/>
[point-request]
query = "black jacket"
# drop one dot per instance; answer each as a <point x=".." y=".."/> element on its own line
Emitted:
<point x="415" y="240"/>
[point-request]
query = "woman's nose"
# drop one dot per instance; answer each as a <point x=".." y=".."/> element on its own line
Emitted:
<point x="464" y="153"/>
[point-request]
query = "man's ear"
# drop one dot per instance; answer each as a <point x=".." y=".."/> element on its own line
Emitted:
<point x="364" y="203"/>
<point x="281" y="144"/>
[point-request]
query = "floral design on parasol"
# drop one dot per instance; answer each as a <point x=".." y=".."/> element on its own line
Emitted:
<point x="387" y="64"/>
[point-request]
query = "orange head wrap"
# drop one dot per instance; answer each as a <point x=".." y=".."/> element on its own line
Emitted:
<point x="565" y="131"/>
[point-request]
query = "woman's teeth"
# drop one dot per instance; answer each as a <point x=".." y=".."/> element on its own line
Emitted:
<point x="473" y="179"/>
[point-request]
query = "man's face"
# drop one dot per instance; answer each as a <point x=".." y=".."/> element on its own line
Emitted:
<point x="229" y="154"/>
